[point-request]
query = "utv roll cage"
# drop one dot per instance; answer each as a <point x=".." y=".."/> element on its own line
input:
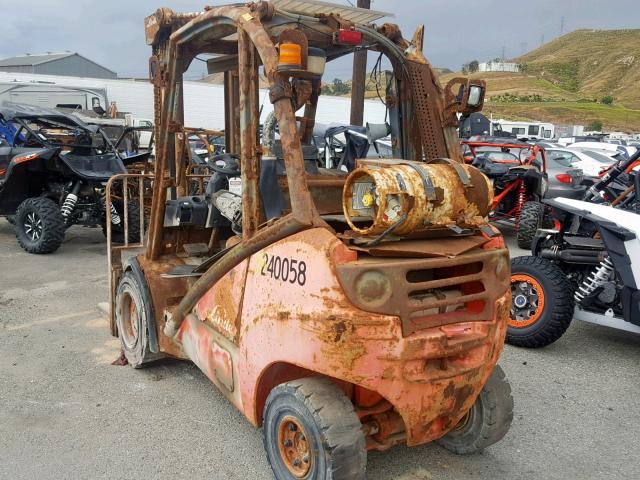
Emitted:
<point x="21" y="115"/>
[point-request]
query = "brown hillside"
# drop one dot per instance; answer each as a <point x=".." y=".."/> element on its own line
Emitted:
<point x="591" y="63"/>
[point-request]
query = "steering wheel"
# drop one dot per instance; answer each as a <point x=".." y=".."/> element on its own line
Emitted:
<point x="224" y="171"/>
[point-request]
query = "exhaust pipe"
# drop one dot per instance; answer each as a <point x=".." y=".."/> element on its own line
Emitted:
<point x="574" y="255"/>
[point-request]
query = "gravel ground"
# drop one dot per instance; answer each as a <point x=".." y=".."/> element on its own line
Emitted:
<point x="66" y="413"/>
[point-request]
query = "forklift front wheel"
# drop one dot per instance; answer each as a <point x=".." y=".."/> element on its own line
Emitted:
<point x="311" y="431"/>
<point x="133" y="313"/>
<point x="488" y="420"/>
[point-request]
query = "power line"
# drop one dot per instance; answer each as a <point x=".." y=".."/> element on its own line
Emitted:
<point x="523" y="47"/>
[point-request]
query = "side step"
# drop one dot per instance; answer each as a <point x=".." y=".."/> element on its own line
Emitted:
<point x="180" y="271"/>
<point x="606" y="321"/>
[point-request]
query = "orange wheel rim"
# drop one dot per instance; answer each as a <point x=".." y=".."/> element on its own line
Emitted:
<point x="129" y="327"/>
<point x="527" y="301"/>
<point x="294" y="448"/>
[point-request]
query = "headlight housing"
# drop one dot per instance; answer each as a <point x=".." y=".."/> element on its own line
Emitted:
<point x="373" y="288"/>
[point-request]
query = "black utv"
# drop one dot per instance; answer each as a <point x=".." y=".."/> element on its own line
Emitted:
<point x="53" y="173"/>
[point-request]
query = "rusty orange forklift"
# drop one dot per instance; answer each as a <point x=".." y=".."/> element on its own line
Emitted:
<point x="340" y="311"/>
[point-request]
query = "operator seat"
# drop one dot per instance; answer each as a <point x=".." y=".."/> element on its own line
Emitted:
<point x="489" y="168"/>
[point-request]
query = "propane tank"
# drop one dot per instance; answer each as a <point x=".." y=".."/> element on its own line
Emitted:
<point x="410" y="196"/>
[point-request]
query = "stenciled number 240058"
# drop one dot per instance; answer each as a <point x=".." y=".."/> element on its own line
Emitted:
<point x="284" y="269"/>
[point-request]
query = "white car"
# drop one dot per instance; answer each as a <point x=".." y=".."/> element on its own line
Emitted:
<point x="591" y="163"/>
<point x="605" y="146"/>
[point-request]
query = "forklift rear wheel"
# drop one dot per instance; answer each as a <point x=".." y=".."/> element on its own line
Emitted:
<point x="487" y="421"/>
<point x="531" y="218"/>
<point x="541" y="303"/>
<point x="39" y="225"/>
<point x="133" y="312"/>
<point x="311" y="431"/>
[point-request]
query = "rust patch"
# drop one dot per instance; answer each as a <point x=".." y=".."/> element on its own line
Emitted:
<point x="339" y="328"/>
<point x="461" y="396"/>
<point x="449" y="391"/>
<point x="388" y="373"/>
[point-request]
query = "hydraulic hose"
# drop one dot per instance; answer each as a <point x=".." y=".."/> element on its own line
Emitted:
<point x="289" y="225"/>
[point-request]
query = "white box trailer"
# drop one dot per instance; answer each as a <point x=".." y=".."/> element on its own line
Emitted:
<point x="528" y="130"/>
<point x="51" y="95"/>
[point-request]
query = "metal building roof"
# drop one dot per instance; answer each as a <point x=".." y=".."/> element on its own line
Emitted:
<point x="23" y="60"/>
<point x="39" y="59"/>
<point x="315" y="7"/>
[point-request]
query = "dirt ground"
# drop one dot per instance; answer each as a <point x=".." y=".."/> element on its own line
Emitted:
<point x="66" y="413"/>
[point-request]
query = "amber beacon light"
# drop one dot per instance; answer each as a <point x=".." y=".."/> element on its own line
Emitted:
<point x="290" y="57"/>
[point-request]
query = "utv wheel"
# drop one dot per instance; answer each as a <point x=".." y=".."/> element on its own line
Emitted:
<point x="117" y="231"/>
<point x="311" y="431"/>
<point x="531" y="217"/>
<point x="134" y="313"/>
<point x="39" y="225"/>
<point x="487" y="421"/>
<point x="541" y="303"/>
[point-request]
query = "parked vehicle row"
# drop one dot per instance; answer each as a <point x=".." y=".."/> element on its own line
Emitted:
<point x="584" y="268"/>
<point x="53" y="174"/>
<point x="560" y="172"/>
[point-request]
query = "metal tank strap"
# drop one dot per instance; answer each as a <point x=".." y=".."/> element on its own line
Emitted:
<point x="464" y="176"/>
<point x="426" y="181"/>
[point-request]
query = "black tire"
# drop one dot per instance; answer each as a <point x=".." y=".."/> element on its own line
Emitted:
<point x="531" y="218"/>
<point x="557" y="303"/>
<point x="134" y="315"/>
<point x="488" y="420"/>
<point x="39" y="225"/>
<point x="331" y="435"/>
<point x="117" y="231"/>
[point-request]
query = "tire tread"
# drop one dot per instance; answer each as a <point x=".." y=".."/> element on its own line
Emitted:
<point x="337" y="421"/>
<point x="562" y="313"/>
<point x="54" y="226"/>
<point x="528" y="223"/>
<point x="497" y="402"/>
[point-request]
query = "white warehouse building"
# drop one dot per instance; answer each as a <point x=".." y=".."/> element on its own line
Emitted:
<point x="499" y="67"/>
<point x="203" y="102"/>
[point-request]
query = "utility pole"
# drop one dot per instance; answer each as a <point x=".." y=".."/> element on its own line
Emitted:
<point x="358" y="79"/>
<point x="523" y="47"/>
<point x="561" y="25"/>
<point x="504" y="49"/>
<point x="542" y="39"/>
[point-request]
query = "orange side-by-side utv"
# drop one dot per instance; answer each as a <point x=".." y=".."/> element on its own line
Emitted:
<point x="340" y="309"/>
